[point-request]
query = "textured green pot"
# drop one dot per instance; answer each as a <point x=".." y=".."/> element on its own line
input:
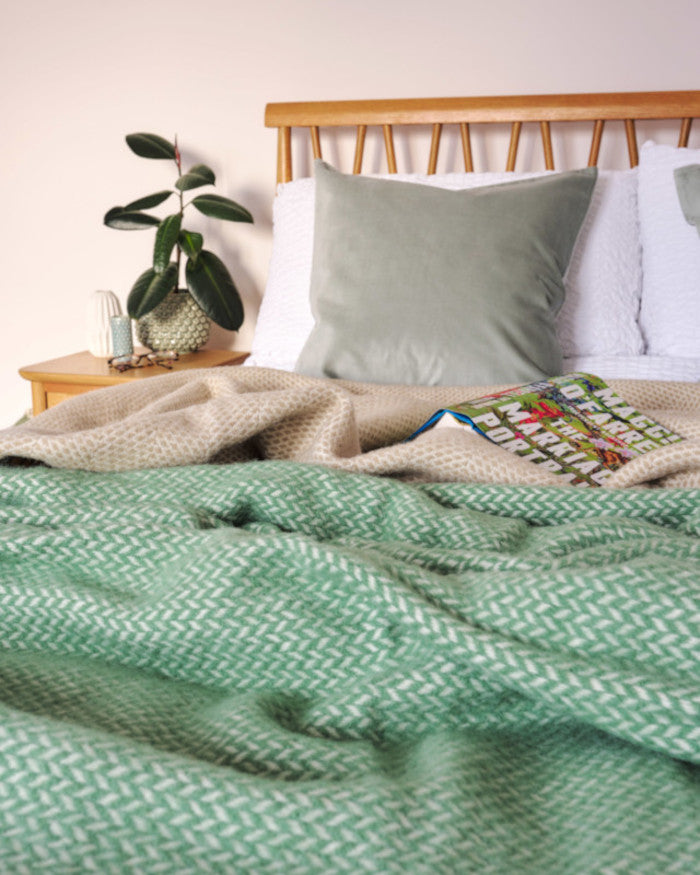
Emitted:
<point x="176" y="323"/>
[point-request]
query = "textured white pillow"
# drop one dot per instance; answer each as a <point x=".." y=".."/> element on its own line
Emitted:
<point x="599" y="315"/>
<point x="636" y="367"/>
<point x="285" y="320"/>
<point x="670" y="311"/>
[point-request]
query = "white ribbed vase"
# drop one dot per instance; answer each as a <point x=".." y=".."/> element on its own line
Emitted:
<point x="101" y="307"/>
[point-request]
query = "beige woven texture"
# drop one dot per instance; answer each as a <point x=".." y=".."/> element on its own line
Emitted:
<point x="238" y="413"/>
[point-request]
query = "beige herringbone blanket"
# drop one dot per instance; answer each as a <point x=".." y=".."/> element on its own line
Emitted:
<point x="239" y="413"/>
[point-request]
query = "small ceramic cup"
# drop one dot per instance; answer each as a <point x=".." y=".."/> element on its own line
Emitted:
<point x="122" y="343"/>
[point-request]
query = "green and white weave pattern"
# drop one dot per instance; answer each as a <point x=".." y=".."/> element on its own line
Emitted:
<point x="271" y="667"/>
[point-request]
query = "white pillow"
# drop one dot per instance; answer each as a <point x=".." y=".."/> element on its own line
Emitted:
<point x="670" y="311"/>
<point x="284" y="319"/>
<point x="636" y="367"/>
<point x="599" y="315"/>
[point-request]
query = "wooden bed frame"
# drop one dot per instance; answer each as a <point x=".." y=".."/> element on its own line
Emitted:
<point x="628" y="108"/>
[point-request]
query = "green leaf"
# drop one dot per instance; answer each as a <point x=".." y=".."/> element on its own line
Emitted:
<point x="166" y="237"/>
<point x="221" y="208"/>
<point x="197" y="176"/>
<point x="190" y="242"/>
<point x="151" y="200"/>
<point x="126" y="220"/>
<point x="150" y="146"/>
<point x="211" y="286"/>
<point x="150" y="289"/>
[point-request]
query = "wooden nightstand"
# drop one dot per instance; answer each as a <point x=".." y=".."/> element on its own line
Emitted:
<point x="55" y="380"/>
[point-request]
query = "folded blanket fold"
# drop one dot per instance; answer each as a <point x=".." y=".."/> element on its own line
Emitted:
<point x="236" y="414"/>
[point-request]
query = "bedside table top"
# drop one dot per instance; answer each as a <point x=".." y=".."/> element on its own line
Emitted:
<point x="87" y="369"/>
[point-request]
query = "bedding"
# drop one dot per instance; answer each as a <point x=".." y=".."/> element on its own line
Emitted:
<point x="670" y="310"/>
<point x="275" y="667"/>
<point x="599" y="315"/>
<point x="637" y="367"/>
<point x="413" y="284"/>
<point x="246" y="627"/>
<point x="687" y="179"/>
<point x="235" y="414"/>
<point x="632" y="280"/>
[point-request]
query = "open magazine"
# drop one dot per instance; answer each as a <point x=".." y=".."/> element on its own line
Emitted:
<point x="574" y="426"/>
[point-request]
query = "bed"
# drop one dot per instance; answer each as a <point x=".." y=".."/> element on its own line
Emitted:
<point x="247" y="627"/>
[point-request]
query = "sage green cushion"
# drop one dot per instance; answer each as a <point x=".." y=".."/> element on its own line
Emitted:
<point x="688" y="188"/>
<point x="427" y="286"/>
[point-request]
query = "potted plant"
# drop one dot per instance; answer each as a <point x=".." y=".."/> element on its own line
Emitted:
<point x="169" y="317"/>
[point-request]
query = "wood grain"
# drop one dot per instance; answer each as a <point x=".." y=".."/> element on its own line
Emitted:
<point x="516" y="110"/>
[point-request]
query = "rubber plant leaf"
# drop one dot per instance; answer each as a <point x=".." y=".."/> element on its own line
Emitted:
<point x="150" y="145"/>
<point x="218" y="207"/>
<point x="150" y="200"/>
<point x="129" y="220"/>
<point x="190" y="242"/>
<point x="166" y="237"/>
<point x="150" y="289"/>
<point x="212" y="287"/>
<point x="197" y="176"/>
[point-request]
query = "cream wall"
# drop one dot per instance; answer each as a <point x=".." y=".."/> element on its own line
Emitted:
<point x="78" y="74"/>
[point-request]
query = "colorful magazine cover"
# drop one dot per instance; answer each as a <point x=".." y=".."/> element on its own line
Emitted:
<point x="575" y="426"/>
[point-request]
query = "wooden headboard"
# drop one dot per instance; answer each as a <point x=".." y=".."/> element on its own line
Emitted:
<point x="463" y="112"/>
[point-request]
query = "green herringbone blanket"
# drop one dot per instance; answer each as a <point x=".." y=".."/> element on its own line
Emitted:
<point x="271" y="667"/>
